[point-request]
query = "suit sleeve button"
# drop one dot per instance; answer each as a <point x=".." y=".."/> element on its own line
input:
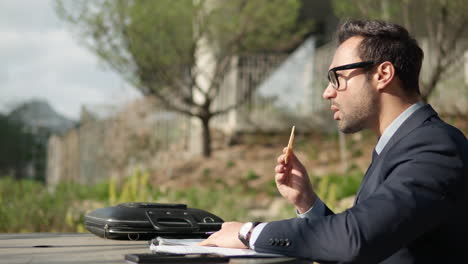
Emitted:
<point x="276" y="242"/>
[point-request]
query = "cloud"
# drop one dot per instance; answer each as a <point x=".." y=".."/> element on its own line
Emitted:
<point x="27" y="15"/>
<point x="40" y="59"/>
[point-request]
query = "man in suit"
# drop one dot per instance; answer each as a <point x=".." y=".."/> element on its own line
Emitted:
<point x="411" y="206"/>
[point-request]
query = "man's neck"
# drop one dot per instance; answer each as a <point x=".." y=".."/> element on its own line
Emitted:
<point x="390" y="108"/>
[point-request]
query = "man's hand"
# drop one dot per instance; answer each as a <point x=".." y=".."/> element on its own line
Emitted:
<point x="293" y="182"/>
<point x="226" y="237"/>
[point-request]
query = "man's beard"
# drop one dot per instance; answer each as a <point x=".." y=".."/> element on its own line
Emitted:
<point x="360" y="115"/>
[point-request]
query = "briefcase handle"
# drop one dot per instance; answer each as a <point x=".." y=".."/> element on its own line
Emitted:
<point x="179" y="221"/>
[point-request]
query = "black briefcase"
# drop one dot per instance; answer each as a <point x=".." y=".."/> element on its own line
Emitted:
<point x="138" y="221"/>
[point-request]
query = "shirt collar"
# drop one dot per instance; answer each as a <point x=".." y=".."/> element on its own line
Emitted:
<point x="393" y="127"/>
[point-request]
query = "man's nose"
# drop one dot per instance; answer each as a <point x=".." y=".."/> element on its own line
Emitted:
<point x="329" y="92"/>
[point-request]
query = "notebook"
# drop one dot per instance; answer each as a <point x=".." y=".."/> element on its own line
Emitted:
<point x="190" y="246"/>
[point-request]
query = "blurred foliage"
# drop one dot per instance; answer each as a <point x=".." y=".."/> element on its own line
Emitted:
<point x="251" y="175"/>
<point x="19" y="149"/>
<point x="28" y="206"/>
<point x="334" y="187"/>
<point x="230" y="164"/>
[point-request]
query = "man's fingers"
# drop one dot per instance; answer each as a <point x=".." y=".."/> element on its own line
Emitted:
<point x="208" y="241"/>
<point x="280" y="159"/>
<point x="204" y="242"/>
<point x="280" y="178"/>
<point x="280" y="168"/>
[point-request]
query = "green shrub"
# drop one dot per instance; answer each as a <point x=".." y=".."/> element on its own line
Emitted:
<point x="251" y="175"/>
<point x="206" y="173"/>
<point x="333" y="187"/>
<point x="27" y="206"/>
<point x="230" y="164"/>
<point x="271" y="188"/>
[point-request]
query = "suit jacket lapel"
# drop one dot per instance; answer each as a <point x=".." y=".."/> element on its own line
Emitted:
<point x="371" y="167"/>
<point x="414" y="121"/>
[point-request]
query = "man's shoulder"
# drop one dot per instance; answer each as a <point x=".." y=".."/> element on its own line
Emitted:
<point x="431" y="135"/>
<point x="436" y="127"/>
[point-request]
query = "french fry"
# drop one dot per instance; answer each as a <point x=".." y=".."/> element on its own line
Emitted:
<point x="290" y="143"/>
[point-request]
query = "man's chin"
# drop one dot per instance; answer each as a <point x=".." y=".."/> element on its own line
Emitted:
<point x="347" y="129"/>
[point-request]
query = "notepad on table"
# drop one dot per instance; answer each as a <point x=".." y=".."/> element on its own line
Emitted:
<point x="189" y="246"/>
<point x="162" y="241"/>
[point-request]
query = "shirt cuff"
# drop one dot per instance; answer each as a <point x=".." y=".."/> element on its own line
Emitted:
<point x="317" y="210"/>
<point x="255" y="233"/>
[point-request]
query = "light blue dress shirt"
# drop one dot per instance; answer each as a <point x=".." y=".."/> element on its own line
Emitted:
<point x="318" y="208"/>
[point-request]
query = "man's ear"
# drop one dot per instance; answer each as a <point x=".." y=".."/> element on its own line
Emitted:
<point x="384" y="75"/>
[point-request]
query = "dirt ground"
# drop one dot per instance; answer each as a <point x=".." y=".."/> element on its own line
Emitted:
<point x="254" y="156"/>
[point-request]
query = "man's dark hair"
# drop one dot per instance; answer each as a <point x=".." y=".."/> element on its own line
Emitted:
<point x="385" y="41"/>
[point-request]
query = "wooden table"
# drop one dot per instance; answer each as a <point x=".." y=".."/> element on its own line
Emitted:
<point x="42" y="248"/>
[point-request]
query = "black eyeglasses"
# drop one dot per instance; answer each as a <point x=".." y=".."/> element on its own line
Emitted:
<point x="333" y="77"/>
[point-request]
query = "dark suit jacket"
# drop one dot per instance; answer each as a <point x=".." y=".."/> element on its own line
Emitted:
<point x="412" y="206"/>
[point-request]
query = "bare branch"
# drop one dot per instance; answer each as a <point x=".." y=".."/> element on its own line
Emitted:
<point x="441" y="29"/>
<point x="458" y="33"/>
<point x="430" y="30"/>
<point x="224" y="65"/>
<point x="168" y="103"/>
<point x="240" y="101"/>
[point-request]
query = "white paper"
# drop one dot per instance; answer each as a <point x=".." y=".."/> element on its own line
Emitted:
<point x="161" y="241"/>
<point x="189" y="246"/>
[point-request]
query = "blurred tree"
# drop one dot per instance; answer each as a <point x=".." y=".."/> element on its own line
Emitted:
<point x="18" y="148"/>
<point x="442" y="22"/>
<point x="180" y="51"/>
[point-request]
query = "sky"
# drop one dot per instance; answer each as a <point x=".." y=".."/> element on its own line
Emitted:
<point x="40" y="59"/>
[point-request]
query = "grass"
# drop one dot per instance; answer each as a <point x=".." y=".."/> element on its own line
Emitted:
<point x="28" y="206"/>
<point x="333" y="187"/>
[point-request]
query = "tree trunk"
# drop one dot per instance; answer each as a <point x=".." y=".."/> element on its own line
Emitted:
<point x="206" y="136"/>
<point x="385" y="10"/>
<point x="428" y="89"/>
<point x="425" y="95"/>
